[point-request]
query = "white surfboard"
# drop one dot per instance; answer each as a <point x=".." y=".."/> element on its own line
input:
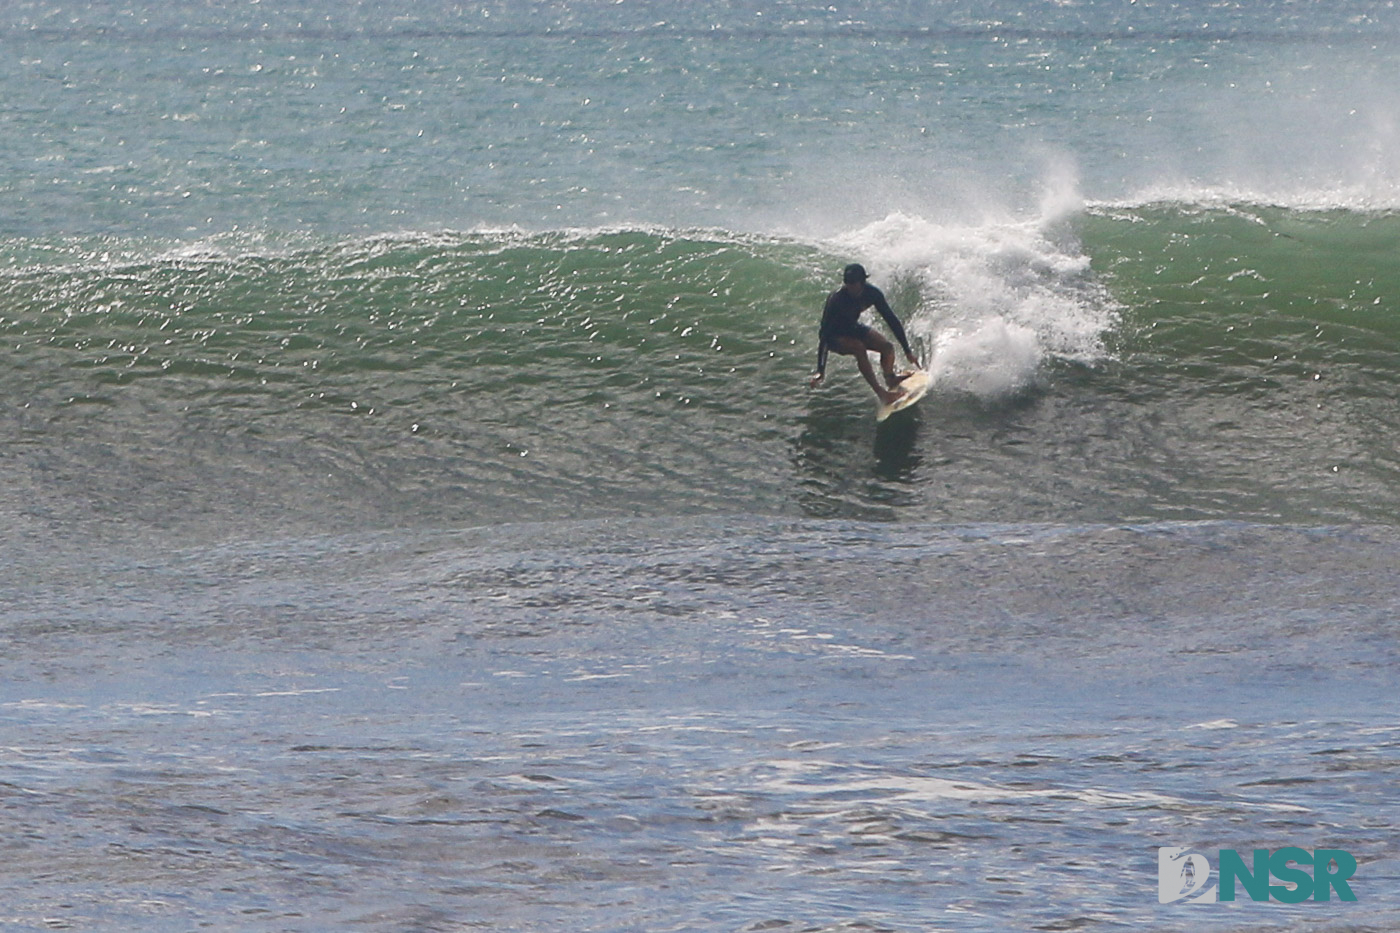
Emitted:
<point x="915" y="387"/>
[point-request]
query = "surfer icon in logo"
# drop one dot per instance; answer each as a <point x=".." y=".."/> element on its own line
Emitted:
<point x="842" y="332"/>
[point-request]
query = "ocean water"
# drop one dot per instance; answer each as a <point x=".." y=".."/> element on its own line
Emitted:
<point x="416" y="517"/>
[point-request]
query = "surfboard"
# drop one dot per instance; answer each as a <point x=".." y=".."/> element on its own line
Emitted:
<point x="915" y="388"/>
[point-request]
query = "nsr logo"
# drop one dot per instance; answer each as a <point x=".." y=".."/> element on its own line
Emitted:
<point x="1182" y="875"/>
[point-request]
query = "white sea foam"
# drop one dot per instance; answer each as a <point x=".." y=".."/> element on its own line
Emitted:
<point x="1379" y="196"/>
<point x="819" y="780"/>
<point x="994" y="301"/>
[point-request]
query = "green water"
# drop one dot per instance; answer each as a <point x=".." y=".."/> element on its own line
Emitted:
<point x="1241" y="368"/>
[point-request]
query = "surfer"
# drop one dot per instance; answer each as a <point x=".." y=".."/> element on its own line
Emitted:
<point x="843" y="332"/>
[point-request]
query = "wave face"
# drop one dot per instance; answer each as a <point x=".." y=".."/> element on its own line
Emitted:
<point x="1259" y="346"/>
<point x="1165" y="360"/>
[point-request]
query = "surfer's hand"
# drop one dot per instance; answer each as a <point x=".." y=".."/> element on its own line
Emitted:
<point x="816" y="380"/>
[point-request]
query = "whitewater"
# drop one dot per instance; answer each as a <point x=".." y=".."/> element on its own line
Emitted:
<point x="415" y="515"/>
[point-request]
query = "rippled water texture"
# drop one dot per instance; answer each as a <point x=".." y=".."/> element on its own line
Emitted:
<point x="703" y="725"/>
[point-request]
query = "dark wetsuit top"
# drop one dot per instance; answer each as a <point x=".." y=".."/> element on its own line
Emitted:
<point x="841" y="318"/>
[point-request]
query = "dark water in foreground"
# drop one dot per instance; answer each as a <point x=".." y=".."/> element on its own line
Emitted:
<point x="712" y="724"/>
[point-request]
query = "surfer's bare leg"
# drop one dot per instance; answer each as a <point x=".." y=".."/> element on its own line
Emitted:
<point x="850" y="346"/>
<point x="880" y="345"/>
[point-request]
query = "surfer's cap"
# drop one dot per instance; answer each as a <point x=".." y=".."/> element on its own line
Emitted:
<point x="855" y="272"/>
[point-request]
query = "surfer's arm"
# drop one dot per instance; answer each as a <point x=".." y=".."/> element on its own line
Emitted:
<point x="895" y="326"/>
<point x="828" y="312"/>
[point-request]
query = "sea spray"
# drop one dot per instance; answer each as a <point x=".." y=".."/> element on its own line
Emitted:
<point x="995" y="301"/>
<point x="995" y="361"/>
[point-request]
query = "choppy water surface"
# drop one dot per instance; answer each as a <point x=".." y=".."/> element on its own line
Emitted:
<point x="712" y="725"/>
